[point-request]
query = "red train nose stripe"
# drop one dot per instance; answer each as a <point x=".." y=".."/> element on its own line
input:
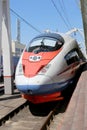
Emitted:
<point x="43" y="98"/>
<point x="32" y="67"/>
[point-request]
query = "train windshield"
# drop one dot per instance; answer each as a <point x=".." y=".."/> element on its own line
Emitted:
<point x="44" y="44"/>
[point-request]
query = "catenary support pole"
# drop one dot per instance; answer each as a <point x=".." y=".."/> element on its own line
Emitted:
<point x="0" y="33"/>
<point x="84" y="16"/>
<point x="6" y="47"/>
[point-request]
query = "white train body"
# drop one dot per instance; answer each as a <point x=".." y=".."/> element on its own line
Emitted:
<point x="41" y="75"/>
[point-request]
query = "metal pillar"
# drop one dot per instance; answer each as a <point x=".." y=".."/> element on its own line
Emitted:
<point x="0" y="32"/>
<point x="6" y="46"/>
<point x="84" y="16"/>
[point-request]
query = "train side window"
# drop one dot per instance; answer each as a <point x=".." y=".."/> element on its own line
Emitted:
<point x="72" y="57"/>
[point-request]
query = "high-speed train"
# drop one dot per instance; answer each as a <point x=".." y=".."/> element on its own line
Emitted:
<point x="47" y="66"/>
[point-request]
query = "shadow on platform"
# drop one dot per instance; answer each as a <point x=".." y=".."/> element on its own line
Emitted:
<point x="14" y="96"/>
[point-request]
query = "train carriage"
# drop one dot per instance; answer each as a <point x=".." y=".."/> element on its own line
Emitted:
<point x="47" y="66"/>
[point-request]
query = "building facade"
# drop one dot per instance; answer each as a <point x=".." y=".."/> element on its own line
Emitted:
<point x="17" y="48"/>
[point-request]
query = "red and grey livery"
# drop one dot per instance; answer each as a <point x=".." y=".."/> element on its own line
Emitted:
<point x="47" y="66"/>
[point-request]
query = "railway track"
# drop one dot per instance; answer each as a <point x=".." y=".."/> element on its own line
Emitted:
<point x="47" y="116"/>
<point x="36" y="117"/>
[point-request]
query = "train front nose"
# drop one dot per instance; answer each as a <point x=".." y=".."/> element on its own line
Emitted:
<point x="40" y="84"/>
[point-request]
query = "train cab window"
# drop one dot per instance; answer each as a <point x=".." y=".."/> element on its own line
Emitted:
<point x="72" y="57"/>
<point x="44" y="44"/>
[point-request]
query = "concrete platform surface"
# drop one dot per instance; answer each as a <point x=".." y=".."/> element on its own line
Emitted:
<point x="9" y="103"/>
<point x="76" y="113"/>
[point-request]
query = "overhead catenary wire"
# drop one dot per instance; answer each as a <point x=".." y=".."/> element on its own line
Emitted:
<point x="63" y="8"/>
<point x="58" y="11"/>
<point x="25" y="21"/>
<point x="78" y="4"/>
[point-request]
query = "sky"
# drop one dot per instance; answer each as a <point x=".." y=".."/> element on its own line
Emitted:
<point x="54" y="15"/>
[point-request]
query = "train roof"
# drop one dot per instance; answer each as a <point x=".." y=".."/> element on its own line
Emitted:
<point x="51" y="35"/>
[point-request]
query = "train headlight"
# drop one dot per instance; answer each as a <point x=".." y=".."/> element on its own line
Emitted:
<point x="19" y="70"/>
<point x="44" y="69"/>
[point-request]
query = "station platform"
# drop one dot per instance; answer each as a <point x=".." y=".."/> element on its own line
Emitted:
<point x="76" y="114"/>
<point x="9" y="103"/>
